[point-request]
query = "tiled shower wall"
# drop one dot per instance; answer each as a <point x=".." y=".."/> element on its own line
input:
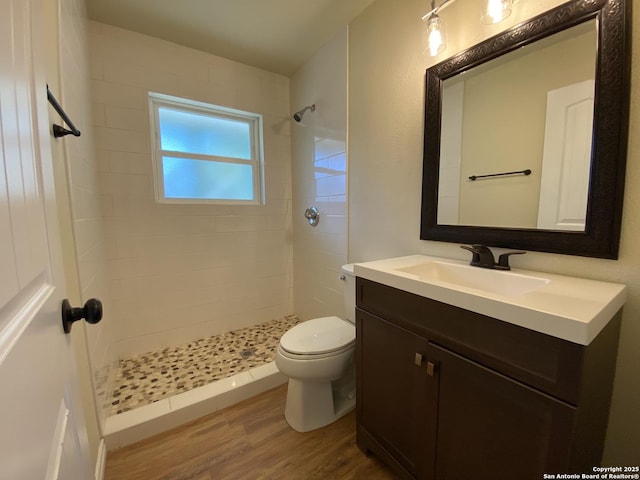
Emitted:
<point x="182" y="272"/>
<point x="319" y="146"/>
<point x="82" y="229"/>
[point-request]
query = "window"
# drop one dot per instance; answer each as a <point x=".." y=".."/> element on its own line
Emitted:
<point x="205" y="153"/>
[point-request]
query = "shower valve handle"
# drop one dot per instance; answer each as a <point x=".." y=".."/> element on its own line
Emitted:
<point x="312" y="214"/>
<point x="91" y="312"/>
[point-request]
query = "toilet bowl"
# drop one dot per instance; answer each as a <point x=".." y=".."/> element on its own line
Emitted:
<point x="318" y="357"/>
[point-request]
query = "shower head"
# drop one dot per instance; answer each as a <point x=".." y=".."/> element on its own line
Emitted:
<point x="298" y="115"/>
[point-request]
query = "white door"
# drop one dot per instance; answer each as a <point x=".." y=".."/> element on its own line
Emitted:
<point x="566" y="160"/>
<point x="42" y="433"/>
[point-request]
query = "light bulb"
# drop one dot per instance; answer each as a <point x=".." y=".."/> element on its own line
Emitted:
<point x="496" y="11"/>
<point x="436" y="42"/>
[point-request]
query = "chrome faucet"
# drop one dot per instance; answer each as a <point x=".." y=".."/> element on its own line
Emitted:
<point x="483" y="257"/>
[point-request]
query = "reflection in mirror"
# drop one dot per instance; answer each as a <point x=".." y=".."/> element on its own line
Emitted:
<point x="531" y="109"/>
<point x="488" y="111"/>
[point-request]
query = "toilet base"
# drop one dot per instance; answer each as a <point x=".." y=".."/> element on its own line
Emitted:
<point x="312" y="405"/>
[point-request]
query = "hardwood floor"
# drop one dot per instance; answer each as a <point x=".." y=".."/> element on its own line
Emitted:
<point x="250" y="440"/>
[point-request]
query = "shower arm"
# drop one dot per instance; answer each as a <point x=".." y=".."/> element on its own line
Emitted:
<point x="308" y="107"/>
<point x="298" y="115"/>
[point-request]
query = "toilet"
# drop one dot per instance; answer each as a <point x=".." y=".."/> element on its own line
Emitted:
<point x="318" y="357"/>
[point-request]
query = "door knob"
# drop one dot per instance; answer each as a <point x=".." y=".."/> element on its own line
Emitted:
<point x="91" y="312"/>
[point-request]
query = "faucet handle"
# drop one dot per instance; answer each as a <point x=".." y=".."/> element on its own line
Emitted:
<point x="503" y="260"/>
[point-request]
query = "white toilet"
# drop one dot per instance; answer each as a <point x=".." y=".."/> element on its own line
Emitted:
<point x="318" y="357"/>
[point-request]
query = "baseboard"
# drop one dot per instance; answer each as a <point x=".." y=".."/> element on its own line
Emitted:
<point x="101" y="460"/>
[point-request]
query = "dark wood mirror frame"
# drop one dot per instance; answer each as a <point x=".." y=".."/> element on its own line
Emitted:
<point x="601" y="237"/>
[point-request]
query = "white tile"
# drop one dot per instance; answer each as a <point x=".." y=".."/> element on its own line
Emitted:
<point x="99" y="117"/>
<point x="90" y="264"/>
<point x="108" y="93"/>
<point x="262" y="385"/>
<point x="337" y="164"/>
<point x="127" y="162"/>
<point x="121" y="140"/>
<point x="327" y="147"/>
<point x="223" y="388"/>
<point x="127" y="118"/>
<point x="241" y="223"/>
<point x="335" y="224"/>
<point x="264" y="371"/>
<point x="334" y="185"/>
<point x="338" y="205"/>
<point x="138" y="416"/>
<point x="96" y="69"/>
<point x="106" y="205"/>
<point x="231" y="394"/>
<point x="88" y="234"/>
<point x="125" y="185"/>
<point x="132" y="345"/>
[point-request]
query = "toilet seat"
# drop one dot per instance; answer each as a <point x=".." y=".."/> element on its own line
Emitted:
<point x="318" y="338"/>
<point x="314" y="356"/>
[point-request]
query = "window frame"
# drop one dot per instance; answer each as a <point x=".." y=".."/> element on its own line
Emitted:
<point x="255" y="122"/>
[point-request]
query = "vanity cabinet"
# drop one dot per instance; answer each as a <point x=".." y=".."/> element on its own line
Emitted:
<point x="448" y="394"/>
<point x="392" y="391"/>
<point x="493" y="425"/>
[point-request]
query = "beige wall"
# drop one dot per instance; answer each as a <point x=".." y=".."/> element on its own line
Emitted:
<point x="386" y="101"/>
<point x="181" y="272"/>
<point x="319" y="163"/>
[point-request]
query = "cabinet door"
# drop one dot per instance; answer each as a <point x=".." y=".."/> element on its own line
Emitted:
<point x="391" y="395"/>
<point x="491" y="427"/>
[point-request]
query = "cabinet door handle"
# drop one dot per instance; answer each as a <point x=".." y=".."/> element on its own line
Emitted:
<point x="431" y="369"/>
<point x="418" y="359"/>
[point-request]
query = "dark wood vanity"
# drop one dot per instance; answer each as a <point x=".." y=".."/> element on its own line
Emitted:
<point x="448" y="394"/>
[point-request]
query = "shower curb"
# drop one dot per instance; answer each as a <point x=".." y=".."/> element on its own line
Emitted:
<point x="144" y="422"/>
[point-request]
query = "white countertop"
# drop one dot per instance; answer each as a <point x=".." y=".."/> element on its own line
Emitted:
<point x="570" y="308"/>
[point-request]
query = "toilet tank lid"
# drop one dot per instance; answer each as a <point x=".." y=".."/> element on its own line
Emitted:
<point x="320" y="335"/>
<point x="348" y="269"/>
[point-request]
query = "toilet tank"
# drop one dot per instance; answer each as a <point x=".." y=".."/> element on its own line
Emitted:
<point x="349" y="293"/>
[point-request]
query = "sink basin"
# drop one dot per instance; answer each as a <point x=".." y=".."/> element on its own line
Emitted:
<point x="573" y="309"/>
<point x="493" y="281"/>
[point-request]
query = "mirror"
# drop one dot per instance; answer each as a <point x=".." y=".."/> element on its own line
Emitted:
<point x="535" y="121"/>
<point x="525" y="135"/>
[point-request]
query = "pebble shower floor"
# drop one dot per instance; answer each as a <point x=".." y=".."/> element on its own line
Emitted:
<point x="152" y="376"/>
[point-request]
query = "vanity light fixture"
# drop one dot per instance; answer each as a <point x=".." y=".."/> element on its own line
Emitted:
<point x="436" y="39"/>
<point x="495" y="11"/>
<point x="436" y="42"/>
